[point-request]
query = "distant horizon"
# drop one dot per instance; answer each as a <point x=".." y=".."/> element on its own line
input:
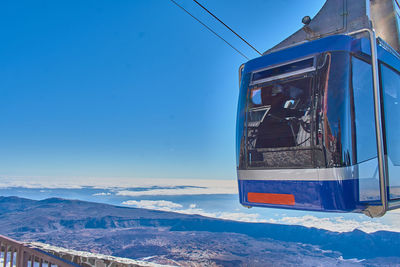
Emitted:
<point x="210" y="198"/>
<point x="108" y="181"/>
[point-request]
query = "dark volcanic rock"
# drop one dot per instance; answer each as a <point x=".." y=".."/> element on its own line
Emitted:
<point x="187" y="239"/>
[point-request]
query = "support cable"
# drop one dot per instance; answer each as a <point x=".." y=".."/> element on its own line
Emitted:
<point x="397" y="3"/>
<point x="208" y="28"/>
<point x="209" y="12"/>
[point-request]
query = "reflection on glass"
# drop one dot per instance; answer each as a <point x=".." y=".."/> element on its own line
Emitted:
<point x="365" y="134"/>
<point x="364" y="110"/>
<point x="287" y="121"/>
<point x="391" y="99"/>
<point x="256" y="96"/>
<point x="337" y="124"/>
<point x="279" y="117"/>
<point x="257" y="115"/>
<point x="368" y="180"/>
<point x="240" y="119"/>
<point x="305" y="121"/>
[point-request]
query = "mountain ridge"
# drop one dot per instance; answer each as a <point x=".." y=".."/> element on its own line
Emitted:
<point x="137" y="233"/>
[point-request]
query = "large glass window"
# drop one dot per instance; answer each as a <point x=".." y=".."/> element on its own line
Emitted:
<point x="391" y="104"/>
<point x="364" y="110"/>
<point x="302" y="121"/>
<point x="336" y="115"/>
<point x="365" y="135"/>
<point x="278" y="120"/>
<point x="279" y="114"/>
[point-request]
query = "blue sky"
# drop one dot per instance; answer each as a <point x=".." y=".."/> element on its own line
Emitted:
<point x="127" y="88"/>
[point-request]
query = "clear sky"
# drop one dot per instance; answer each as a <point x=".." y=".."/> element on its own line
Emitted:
<point x="127" y="88"/>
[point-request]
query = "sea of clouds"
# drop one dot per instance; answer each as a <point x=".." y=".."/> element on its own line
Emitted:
<point x="147" y="186"/>
<point x="140" y="189"/>
<point x="335" y="224"/>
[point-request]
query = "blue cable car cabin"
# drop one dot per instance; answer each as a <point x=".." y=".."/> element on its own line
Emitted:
<point x="318" y="126"/>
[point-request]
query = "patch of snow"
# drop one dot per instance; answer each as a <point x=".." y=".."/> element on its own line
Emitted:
<point x="95" y="255"/>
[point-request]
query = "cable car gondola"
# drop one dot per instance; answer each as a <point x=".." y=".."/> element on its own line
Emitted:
<point x="318" y="115"/>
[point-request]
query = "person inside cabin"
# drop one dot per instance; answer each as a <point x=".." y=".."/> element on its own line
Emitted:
<point x="275" y="130"/>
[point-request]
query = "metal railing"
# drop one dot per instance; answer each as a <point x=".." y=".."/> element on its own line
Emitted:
<point x="17" y="254"/>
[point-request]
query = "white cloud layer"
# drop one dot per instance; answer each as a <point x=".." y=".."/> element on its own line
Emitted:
<point x="336" y="224"/>
<point x="151" y="186"/>
<point x="102" y="194"/>
<point x="153" y="204"/>
<point x="169" y="187"/>
<point x="192" y="209"/>
<point x="180" y="191"/>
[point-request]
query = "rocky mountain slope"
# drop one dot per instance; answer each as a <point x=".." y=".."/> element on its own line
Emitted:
<point x="179" y="239"/>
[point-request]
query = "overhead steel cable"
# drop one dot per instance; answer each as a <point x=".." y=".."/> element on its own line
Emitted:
<point x="209" y="12"/>
<point x="208" y="28"/>
<point x="397" y="3"/>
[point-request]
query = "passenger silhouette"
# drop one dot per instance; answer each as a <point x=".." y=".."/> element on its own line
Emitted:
<point x="275" y="130"/>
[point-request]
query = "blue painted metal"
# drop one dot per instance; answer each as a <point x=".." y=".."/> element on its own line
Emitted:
<point x="388" y="58"/>
<point x="331" y="43"/>
<point x="336" y="196"/>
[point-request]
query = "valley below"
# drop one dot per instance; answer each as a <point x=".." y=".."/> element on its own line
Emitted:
<point x="188" y="240"/>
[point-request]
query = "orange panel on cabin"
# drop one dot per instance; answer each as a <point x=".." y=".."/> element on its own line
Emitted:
<point x="268" y="198"/>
